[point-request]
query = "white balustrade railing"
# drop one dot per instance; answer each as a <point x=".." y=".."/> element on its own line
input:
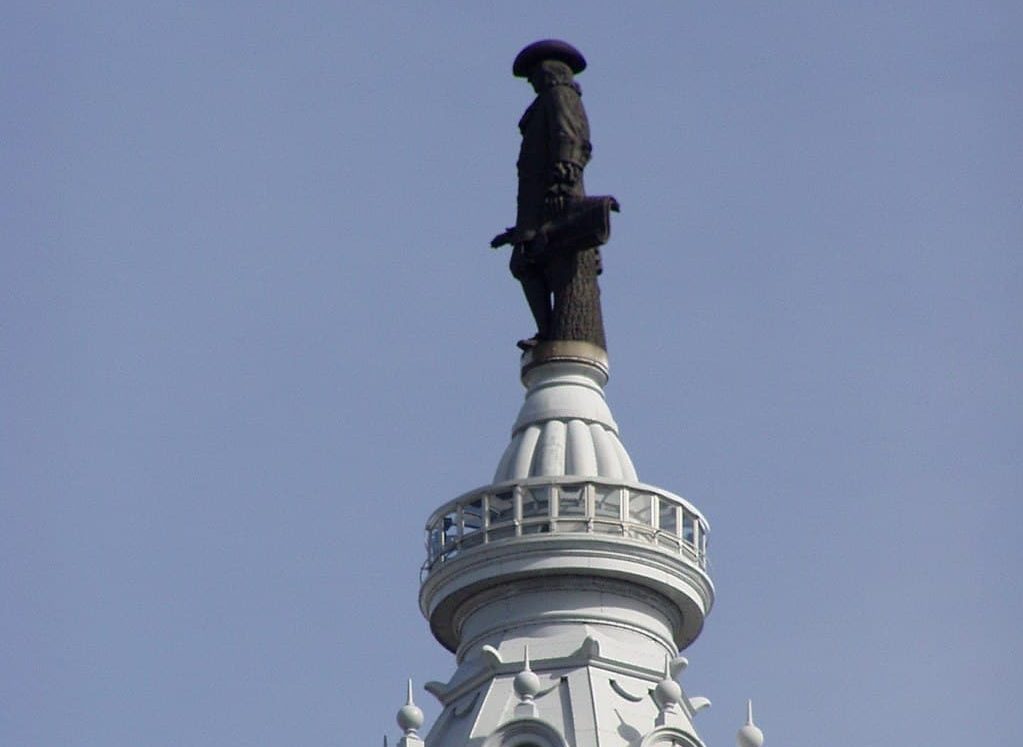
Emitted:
<point x="565" y="506"/>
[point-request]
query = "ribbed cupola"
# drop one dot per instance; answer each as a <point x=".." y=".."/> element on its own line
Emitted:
<point x="565" y="426"/>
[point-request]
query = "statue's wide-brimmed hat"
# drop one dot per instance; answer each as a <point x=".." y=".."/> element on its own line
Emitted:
<point x="548" y="49"/>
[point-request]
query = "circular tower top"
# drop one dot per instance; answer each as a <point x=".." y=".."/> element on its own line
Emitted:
<point x="566" y="507"/>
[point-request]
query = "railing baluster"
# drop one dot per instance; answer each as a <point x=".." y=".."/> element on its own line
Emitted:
<point x="565" y="506"/>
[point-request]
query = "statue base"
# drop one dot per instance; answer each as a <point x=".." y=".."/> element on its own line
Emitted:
<point x="576" y="351"/>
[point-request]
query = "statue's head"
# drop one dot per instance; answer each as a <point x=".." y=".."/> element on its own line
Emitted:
<point x="547" y="50"/>
<point x="550" y="73"/>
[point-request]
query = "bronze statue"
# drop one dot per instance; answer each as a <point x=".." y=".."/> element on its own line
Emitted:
<point x="558" y="229"/>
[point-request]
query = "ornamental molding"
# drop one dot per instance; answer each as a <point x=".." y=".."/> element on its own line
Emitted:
<point x="460" y="579"/>
<point x="551" y="551"/>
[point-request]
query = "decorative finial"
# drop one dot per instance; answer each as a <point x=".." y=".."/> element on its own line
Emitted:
<point x="410" y="716"/>
<point x="750" y="734"/>
<point x="668" y="696"/>
<point x="526" y="685"/>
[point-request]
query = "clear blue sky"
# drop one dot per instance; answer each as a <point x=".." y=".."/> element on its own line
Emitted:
<point x="252" y="335"/>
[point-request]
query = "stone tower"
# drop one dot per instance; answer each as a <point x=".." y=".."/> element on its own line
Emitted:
<point x="566" y="588"/>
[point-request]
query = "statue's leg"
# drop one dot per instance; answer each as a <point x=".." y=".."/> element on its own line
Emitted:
<point x="572" y="276"/>
<point x="535" y="288"/>
<point x="538" y="296"/>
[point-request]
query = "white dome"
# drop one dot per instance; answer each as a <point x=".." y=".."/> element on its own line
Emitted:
<point x="565" y="427"/>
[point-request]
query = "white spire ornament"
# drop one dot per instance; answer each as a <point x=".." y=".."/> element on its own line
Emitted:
<point x="668" y="695"/>
<point x="410" y="720"/>
<point x="526" y="685"/>
<point x="749" y="735"/>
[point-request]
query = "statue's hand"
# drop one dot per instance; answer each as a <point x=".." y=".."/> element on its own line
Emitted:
<point x="566" y="173"/>
<point x="554" y="204"/>
<point x="512" y="236"/>
<point x="562" y="180"/>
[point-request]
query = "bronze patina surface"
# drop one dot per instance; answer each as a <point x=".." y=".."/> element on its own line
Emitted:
<point x="558" y="230"/>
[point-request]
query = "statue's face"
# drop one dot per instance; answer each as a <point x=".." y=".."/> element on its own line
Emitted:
<point x="547" y="73"/>
<point x="535" y="78"/>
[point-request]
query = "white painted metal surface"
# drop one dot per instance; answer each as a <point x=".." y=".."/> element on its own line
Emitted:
<point x="566" y="588"/>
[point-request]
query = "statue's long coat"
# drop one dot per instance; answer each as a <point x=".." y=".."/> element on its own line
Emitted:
<point x="554" y="129"/>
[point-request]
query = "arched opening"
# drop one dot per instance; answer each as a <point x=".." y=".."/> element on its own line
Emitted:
<point x="526" y="732"/>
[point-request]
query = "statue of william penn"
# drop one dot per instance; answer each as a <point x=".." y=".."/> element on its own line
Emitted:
<point x="558" y="229"/>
